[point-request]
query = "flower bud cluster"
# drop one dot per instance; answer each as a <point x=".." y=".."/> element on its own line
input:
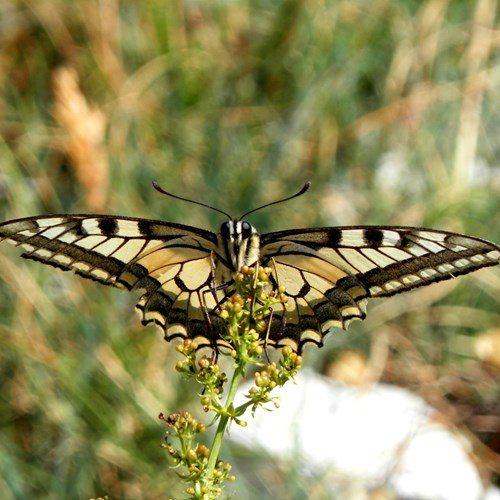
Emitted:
<point x="272" y="377"/>
<point x="203" y="370"/>
<point x="193" y="457"/>
<point x="246" y="313"/>
<point x="248" y="309"/>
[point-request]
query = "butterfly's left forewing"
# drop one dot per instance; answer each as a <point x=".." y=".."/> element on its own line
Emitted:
<point x="329" y="273"/>
<point x="172" y="263"/>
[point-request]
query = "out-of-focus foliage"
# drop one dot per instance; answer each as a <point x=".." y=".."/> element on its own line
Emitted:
<point x="390" y="108"/>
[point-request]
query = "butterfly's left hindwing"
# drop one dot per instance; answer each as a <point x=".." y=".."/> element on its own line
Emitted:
<point x="171" y="262"/>
<point x="329" y="273"/>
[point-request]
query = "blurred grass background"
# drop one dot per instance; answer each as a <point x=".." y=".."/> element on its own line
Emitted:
<point x="391" y="108"/>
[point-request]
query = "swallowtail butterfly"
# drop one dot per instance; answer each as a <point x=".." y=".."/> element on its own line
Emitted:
<point x="186" y="272"/>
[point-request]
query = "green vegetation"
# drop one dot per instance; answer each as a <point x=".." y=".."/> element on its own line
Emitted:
<point x="203" y="470"/>
<point x="391" y="109"/>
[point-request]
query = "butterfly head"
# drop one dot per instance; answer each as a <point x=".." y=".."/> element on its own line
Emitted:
<point x="240" y="243"/>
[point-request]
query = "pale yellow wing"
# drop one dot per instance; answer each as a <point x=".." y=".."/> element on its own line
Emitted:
<point x="172" y="263"/>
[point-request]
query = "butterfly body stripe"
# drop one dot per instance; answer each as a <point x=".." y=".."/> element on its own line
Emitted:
<point x="185" y="272"/>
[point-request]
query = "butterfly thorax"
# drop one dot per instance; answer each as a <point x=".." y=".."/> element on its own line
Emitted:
<point x="239" y="244"/>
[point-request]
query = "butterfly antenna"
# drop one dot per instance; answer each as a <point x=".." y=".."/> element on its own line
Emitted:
<point x="162" y="191"/>
<point x="305" y="187"/>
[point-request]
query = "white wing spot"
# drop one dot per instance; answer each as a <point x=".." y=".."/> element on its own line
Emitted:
<point x="461" y="263"/>
<point x="82" y="266"/>
<point x="53" y="232"/>
<point x="431" y="246"/>
<point x="427" y="273"/>
<point x="445" y="268"/>
<point x="62" y="259"/>
<point x="494" y="255"/>
<point x="477" y="258"/>
<point x="51" y="221"/>
<point x="129" y="250"/>
<point x="286" y="342"/>
<point x="428" y="235"/>
<point x="356" y="259"/>
<point x="410" y="279"/>
<point x="331" y="323"/>
<point x="395" y="253"/>
<point x="13" y="242"/>
<point x="416" y="250"/>
<point x="392" y="285"/>
<point x="128" y="228"/>
<point x="100" y="274"/>
<point x="43" y="253"/>
<point x="28" y="232"/>
<point x="91" y="226"/>
<point x="378" y="258"/>
<point x="68" y="237"/>
<point x="353" y="238"/>
<point x="310" y="335"/>
<point x="26" y="246"/>
<point x="109" y="246"/>
<point x="362" y="305"/>
<point x="156" y="317"/>
<point x="456" y="248"/>
<point x="350" y="311"/>
<point x="390" y="238"/>
<point x="90" y="241"/>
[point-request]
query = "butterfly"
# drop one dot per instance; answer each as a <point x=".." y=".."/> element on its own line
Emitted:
<point x="186" y="273"/>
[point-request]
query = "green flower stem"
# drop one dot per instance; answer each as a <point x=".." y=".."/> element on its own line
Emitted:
<point x="238" y="374"/>
<point x="252" y="302"/>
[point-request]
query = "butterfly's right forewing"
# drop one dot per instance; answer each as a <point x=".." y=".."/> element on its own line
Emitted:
<point x="172" y="263"/>
<point x="329" y="273"/>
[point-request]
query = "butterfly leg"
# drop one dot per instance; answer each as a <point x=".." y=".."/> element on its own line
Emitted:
<point x="276" y="279"/>
<point x="266" y="338"/>
<point x="271" y="311"/>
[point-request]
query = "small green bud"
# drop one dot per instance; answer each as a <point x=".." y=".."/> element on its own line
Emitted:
<point x="253" y="334"/>
<point x="237" y="298"/>
<point x="261" y="326"/>
<point x="202" y="450"/>
<point x="204" y="362"/>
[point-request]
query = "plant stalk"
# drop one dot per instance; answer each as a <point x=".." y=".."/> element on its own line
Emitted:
<point x="224" y="419"/>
